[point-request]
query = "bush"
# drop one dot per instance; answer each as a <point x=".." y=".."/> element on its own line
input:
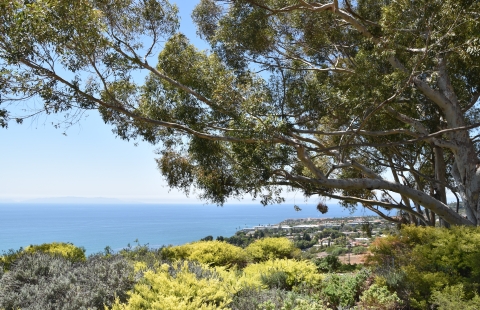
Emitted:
<point x="359" y="250"/>
<point x="421" y="260"/>
<point x="277" y="279"/>
<point x="287" y="273"/>
<point x="272" y="248"/>
<point x="329" y="263"/>
<point x="42" y="281"/>
<point x="142" y="253"/>
<point x="7" y="259"/>
<point x="453" y="297"/>
<point x="336" y="250"/>
<point x="213" y="253"/>
<point x="379" y="298"/>
<point x="66" y="250"/>
<point x="181" y="286"/>
<point x="343" y="290"/>
<point x="252" y="299"/>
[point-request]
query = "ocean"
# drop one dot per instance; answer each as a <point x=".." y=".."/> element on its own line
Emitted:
<point x="96" y="226"/>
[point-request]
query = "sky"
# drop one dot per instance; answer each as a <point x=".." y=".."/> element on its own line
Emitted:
<point x="38" y="161"/>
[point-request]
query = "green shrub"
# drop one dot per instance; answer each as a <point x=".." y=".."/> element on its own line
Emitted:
<point x="421" y="260"/>
<point x="213" y="253"/>
<point x="253" y="299"/>
<point x="7" y="259"/>
<point x="343" y="290"/>
<point x="277" y="279"/>
<point x="143" y="253"/>
<point x="453" y="297"/>
<point x="359" y="250"/>
<point x="42" y="281"/>
<point x="272" y="248"/>
<point x="336" y="250"/>
<point x="379" y="298"/>
<point x="329" y="263"/>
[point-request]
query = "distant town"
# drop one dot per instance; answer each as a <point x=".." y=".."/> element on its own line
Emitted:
<point x="347" y="238"/>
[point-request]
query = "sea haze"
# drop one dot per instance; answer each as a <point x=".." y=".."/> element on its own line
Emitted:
<point x="95" y="226"/>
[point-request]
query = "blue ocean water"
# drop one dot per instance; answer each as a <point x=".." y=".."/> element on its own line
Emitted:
<point x="96" y="226"/>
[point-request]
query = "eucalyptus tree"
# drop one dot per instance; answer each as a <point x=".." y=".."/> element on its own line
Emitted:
<point x="370" y="102"/>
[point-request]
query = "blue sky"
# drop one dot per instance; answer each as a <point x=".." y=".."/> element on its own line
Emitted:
<point x="38" y="161"/>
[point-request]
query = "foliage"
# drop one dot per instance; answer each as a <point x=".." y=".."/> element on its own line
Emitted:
<point x="283" y="273"/>
<point x="453" y="297"/>
<point x="182" y="286"/>
<point x="248" y="299"/>
<point x="419" y="261"/>
<point x="271" y="248"/>
<point x="344" y="96"/>
<point x="343" y="290"/>
<point x="329" y="263"/>
<point x="304" y="244"/>
<point x="42" y="281"/>
<point x="336" y="250"/>
<point x="359" y="250"/>
<point x="379" y="298"/>
<point x="66" y="250"/>
<point x="142" y="253"/>
<point x="214" y="253"/>
<point x="9" y="257"/>
<point x="240" y="239"/>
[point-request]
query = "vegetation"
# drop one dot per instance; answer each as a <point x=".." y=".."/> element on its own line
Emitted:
<point x="271" y="248"/>
<point x="429" y="265"/>
<point x="413" y="268"/>
<point x="321" y="97"/>
<point x="42" y="281"/>
<point x="214" y="253"/>
<point x="65" y="250"/>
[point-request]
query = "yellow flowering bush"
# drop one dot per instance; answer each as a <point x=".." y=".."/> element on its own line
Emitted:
<point x="67" y="250"/>
<point x="213" y="253"/>
<point x="183" y="286"/>
<point x="297" y="273"/>
<point x="271" y="248"/>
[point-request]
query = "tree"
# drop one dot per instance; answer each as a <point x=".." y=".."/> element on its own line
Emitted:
<point x="326" y="98"/>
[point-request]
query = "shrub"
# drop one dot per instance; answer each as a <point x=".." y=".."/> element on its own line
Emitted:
<point x="142" y="253"/>
<point x="272" y="248"/>
<point x="329" y="263"/>
<point x="379" y="298"/>
<point x="288" y="272"/>
<point x="7" y="259"/>
<point x="343" y="290"/>
<point x="277" y="279"/>
<point x="359" y="250"/>
<point x="66" y="250"/>
<point x="42" y="281"/>
<point x="421" y="260"/>
<point x="336" y="250"/>
<point x="453" y="297"/>
<point x="181" y="286"/>
<point x="213" y="253"/>
<point x="253" y="299"/>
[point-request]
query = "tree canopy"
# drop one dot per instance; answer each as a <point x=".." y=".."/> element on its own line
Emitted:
<point x="370" y="102"/>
